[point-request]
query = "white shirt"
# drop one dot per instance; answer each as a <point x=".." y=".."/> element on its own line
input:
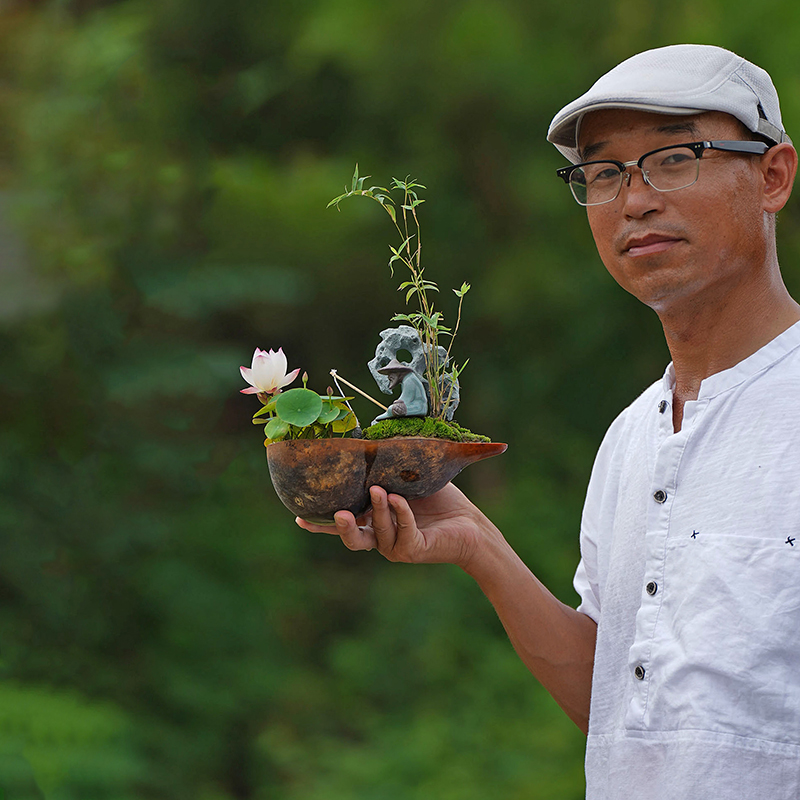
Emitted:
<point x="690" y="564"/>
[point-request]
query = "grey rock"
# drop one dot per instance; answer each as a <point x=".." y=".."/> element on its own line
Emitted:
<point x="404" y="337"/>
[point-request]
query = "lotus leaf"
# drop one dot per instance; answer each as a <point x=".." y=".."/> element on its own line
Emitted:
<point x="299" y="407"/>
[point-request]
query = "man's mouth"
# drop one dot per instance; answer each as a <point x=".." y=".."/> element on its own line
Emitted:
<point x="649" y="245"/>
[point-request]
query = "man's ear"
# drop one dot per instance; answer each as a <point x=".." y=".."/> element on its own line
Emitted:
<point x="779" y="166"/>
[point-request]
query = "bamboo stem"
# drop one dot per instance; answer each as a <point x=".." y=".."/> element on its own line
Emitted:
<point x="356" y="389"/>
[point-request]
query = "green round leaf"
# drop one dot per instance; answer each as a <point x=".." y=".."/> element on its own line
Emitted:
<point x="298" y="407"/>
<point x="276" y="429"/>
<point x="328" y="414"/>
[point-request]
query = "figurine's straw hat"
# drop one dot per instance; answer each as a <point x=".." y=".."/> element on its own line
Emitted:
<point x="395" y="366"/>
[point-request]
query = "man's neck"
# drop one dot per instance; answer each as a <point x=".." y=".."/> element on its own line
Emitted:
<point x="708" y="340"/>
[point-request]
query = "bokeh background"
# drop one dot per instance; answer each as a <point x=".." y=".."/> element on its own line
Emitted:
<point x="166" y="632"/>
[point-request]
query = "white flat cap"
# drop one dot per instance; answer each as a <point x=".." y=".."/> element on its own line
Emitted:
<point x="679" y="79"/>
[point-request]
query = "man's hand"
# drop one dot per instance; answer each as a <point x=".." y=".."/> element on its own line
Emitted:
<point x="441" y="529"/>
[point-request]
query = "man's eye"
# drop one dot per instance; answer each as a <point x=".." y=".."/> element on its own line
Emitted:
<point x="675" y="159"/>
<point x="606" y="174"/>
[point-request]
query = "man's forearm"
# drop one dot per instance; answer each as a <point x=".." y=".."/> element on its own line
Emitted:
<point x="554" y="641"/>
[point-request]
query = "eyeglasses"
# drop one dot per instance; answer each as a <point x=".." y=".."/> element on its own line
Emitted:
<point x="665" y="169"/>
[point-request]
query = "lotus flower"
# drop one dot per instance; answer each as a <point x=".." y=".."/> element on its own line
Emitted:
<point x="267" y="372"/>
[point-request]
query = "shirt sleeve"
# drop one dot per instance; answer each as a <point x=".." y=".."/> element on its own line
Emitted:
<point x="587" y="591"/>
<point x="595" y="520"/>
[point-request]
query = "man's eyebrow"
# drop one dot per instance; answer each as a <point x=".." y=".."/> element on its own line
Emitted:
<point x="686" y="127"/>
<point x="591" y="150"/>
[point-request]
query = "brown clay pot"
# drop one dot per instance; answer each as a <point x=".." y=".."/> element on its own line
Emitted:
<point x="314" y="478"/>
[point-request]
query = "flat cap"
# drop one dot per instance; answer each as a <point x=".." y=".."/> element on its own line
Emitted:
<point x="679" y="79"/>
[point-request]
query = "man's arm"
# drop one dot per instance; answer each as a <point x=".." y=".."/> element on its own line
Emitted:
<point x="554" y="641"/>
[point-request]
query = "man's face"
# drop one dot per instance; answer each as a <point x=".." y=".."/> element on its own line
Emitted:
<point x="394" y="378"/>
<point x="692" y="245"/>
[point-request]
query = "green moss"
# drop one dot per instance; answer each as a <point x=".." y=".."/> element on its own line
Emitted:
<point x="422" y="426"/>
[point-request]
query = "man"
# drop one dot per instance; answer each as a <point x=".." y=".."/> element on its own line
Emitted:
<point x="683" y="659"/>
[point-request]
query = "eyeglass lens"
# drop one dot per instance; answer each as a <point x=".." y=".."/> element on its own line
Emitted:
<point x="665" y="170"/>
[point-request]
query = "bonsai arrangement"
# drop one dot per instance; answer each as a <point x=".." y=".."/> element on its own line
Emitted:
<point x="320" y="458"/>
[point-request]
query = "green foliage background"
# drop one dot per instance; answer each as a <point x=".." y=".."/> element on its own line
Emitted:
<point x="165" y="630"/>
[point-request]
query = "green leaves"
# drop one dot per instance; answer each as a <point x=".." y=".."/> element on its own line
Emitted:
<point x="346" y="423"/>
<point x="377" y="193"/>
<point x="299" y="407"/>
<point x="276" y="429"/>
<point x="329" y="413"/>
<point x="428" y="323"/>
<point x="304" y="414"/>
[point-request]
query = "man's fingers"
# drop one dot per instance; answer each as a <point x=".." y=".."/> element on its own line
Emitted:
<point x="382" y="523"/>
<point x="346" y="527"/>
<point x="392" y="528"/>
<point x="404" y="515"/>
<point x="408" y="535"/>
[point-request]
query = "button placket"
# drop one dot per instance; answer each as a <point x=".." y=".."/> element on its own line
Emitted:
<point x="644" y="653"/>
<point x="648" y="653"/>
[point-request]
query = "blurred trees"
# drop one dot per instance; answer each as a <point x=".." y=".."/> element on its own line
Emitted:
<point x="166" y="631"/>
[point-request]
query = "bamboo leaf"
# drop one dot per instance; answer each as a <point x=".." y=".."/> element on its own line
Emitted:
<point x="458" y="370"/>
<point x="432" y="320"/>
<point x="405" y="243"/>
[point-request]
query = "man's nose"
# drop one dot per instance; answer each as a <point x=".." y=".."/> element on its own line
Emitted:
<point x="639" y="197"/>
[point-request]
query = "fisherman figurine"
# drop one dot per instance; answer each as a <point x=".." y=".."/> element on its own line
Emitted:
<point x="413" y="401"/>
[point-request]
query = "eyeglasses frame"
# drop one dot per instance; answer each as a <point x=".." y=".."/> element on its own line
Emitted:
<point x="748" y="147"/>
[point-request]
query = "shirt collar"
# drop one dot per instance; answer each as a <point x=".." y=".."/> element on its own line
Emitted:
<point x="762" y="359"/>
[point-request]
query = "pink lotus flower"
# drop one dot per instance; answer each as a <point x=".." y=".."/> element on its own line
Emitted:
<point x="267" y="372"/>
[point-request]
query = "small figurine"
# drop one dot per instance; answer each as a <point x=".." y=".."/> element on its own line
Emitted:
<point x="413" y="401"/>
<point x="405" y="338"/>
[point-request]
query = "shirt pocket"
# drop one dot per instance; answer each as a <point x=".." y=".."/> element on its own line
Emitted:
<point x="726" y="653"/>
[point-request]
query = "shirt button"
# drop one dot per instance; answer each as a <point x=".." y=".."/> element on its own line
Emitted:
<point x="639" y="672"/>
<point x="660" y="496"/>
<point x="662" y="406"/>
<point x="651" y="588"/>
